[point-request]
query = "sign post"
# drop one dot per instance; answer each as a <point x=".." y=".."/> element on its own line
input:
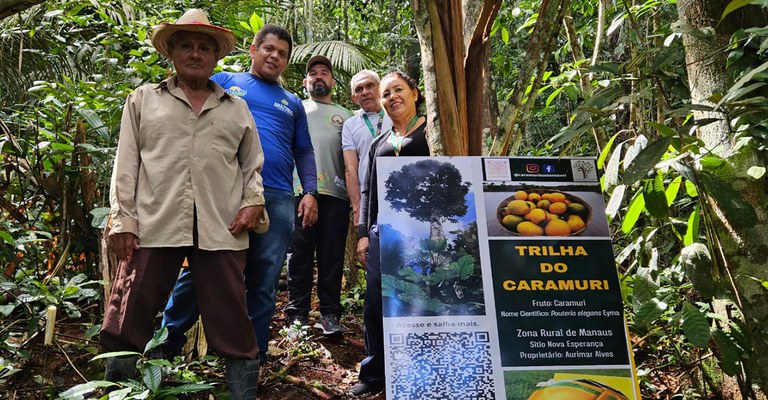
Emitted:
<point x="499" y="281"/>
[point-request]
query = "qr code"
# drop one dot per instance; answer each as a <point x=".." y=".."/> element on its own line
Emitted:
<point x="441" y="365"/>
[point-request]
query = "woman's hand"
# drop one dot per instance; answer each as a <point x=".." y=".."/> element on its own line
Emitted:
<point x="362" y="251"/>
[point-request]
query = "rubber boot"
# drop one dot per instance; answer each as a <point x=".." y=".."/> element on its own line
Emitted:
<point x="121" y="369"/>
<point x="242" y="378"/>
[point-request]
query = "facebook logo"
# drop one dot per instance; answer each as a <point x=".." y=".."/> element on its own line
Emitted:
<point x="549" y="168"/>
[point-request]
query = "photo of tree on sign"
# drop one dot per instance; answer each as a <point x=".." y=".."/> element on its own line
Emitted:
<point x="429" y="249"/>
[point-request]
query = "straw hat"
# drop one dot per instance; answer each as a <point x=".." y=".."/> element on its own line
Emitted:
<point x="194" y="20"/>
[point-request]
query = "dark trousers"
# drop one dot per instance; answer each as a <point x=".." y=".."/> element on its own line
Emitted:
<point x="264" y="262"/>
<point x="372" y="367"/>
<point x="141" y="289"/>
<point x="328" y="238"/>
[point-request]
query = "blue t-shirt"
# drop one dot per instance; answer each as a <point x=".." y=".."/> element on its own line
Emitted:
<point x="282" y="125"/>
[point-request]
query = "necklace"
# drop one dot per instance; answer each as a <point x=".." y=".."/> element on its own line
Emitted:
<point x="396" y="140"/>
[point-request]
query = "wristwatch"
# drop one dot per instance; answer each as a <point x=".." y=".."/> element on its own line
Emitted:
<point x="313" y="193"/>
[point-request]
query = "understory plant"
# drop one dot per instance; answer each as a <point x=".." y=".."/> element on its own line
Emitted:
<point x="676" y="202"/>
<point x="153" y="380"/>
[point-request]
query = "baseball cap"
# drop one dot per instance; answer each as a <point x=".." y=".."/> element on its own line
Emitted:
<point x="319" y="59"/>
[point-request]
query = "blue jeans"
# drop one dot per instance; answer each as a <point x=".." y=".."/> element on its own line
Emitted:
<point x="264" y="262"/>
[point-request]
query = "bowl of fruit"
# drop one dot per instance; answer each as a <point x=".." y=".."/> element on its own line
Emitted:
<point x="544" y="212"/>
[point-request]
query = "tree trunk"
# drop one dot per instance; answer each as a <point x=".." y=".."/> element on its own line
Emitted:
<point x="576" y="51"/>
<point x="345" y="11"/>
<point x="743" y="249"/>
<point x="444" y="77"/>
<point x="310" y="10"/>
<point x="436" y="234"/>
<point x="477" y="29"/>
<point x="706" y="58"/>
<point x="421" y="20"/>
<point x="454" y="75"/>
<point x="392" y="26"/>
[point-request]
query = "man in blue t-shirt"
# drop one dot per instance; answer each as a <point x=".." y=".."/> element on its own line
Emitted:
<point x="282" y="125"/>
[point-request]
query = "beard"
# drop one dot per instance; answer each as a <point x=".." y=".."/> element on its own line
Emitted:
<point x="320" y="90"/>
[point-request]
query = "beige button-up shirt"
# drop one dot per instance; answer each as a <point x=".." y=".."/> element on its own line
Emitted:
<point x="172" y="163"/>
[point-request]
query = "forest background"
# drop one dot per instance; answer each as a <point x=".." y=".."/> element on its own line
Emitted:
<point x="669" y="95"/>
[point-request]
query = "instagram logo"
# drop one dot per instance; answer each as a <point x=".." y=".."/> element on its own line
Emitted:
<point x="532" y="168"/>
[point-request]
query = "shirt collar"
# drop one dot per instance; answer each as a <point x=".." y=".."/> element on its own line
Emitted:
<point x="171" y="83"/>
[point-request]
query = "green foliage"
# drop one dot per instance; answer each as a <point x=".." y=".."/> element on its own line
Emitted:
<point x="737" y="211"/>
<point x="150" y="383"/>
<point x="669" y="251"/>
<point x="737" y="4"/>
<point x="35" y="296"/>
<point x="59" y="136"/>
<point x="646" y="159"/>
<point x="733" y="344"/>
<point x="60" y="114"/>
<point x="61" y="98"/>
<point x="298" y="341"/>
<point x="6" y="370"/>
<point x="438" y="278"/>
<point x="25" y="299"/>
<point x="353" y="34"/>
<point x="353" y="296"/>
<point x="655" y="197"/>
<point x="695" y="325"/>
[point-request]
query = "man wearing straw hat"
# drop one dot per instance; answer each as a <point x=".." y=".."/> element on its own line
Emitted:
<point x="186" y="184"/>
<point x="284" y="133"/>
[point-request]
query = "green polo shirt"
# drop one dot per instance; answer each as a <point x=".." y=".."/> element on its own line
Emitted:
<point x="325" y="121"/>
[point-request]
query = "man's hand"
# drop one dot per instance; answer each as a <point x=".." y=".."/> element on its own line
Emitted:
<point x="355" y="213"/>
<point x="362" y="251"/>
<point x="123" y="244"/>
<point x="307" y="210"/>
<point x="246" y="220"/>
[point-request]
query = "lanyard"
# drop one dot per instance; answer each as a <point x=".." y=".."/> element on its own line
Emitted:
<point x="374" y="133"/>
<point x="397" y="141"/>
<point x="411" y="124"/>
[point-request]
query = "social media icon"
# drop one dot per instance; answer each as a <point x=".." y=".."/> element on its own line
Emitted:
<point x="549" y="168"/>
<point x="532" y="168"/>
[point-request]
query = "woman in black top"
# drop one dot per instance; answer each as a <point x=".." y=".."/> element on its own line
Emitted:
<point x="400" y="99"/>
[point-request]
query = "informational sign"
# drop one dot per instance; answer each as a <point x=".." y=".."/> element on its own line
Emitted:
<point x="499" y="281"/>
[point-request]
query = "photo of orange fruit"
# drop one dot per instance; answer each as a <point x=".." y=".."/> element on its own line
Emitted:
<point x="544" y="212"/>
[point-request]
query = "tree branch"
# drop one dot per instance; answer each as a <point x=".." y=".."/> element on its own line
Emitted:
<point x="11" y="7"/>
<point x="599" y="32"/>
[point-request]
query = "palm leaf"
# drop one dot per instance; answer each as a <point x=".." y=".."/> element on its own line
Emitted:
<point x="347" y="58"/>
<point x="37" y="61"/>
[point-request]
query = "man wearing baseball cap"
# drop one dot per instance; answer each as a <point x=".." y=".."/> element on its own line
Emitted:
<point x="326" y="239"/>
<point x="187" y="184"/>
